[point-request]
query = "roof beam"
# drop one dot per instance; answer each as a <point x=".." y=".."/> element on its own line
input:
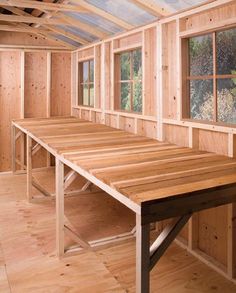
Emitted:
<point x="30" y="19"/>
<point x="42" y="5"/>
<point x="50" y="28"/>
<point x="151" y="7"/>
<point x="104" y="14"/>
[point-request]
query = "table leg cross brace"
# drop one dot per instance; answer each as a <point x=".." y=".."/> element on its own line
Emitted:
<point x="166" y="237"/>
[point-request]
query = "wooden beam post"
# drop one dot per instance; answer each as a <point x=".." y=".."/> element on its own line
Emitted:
<point x="142" y="256"/>
<point x="29" y="168"/>
<point x="60" y="245"/>
<point x="13" y="148"/>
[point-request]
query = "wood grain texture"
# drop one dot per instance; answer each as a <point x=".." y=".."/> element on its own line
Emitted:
<point x="61" y="84"/>
<point x="35" y="84"/>
<point x="10" y="102"/>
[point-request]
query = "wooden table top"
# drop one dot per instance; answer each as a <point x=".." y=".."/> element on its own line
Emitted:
<point x="140" y="168"/>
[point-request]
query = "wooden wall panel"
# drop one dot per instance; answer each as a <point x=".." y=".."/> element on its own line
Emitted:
<point x="24" y="39"/>
<point x="87" y="53"/>
<point x="128" y="40"/>
<point x="111" y="120"/>
<point x="176" y="134"/>
<point x="108" y="76"/>
<point x="211" y="141"/>
<point x="85" y="115"/>
<point x="209" y="18"/>
<point x="96" y="117"/>
<point x="10" y="102"/>
<point x="35" y="84"/>
<point x="97" y="76"/>
<point x="169" y="71"/>
<point x="61" y="84"/>
<point x="127" y="124"/>
<point x="149" y="78"/>
<point x="147" y="128"/>
<point x="213" y="233"/>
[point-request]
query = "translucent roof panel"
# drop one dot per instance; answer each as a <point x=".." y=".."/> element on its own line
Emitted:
<point x="95" y="20"/>
<point x="176" y="5"/>
<point x="67" y="40"/>
<point x="124" y="10"/>
<point x="77" y="32"/>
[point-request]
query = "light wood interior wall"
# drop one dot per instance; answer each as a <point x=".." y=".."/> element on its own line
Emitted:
<point x="32" y="84"/>
<point x="210" y="235"/>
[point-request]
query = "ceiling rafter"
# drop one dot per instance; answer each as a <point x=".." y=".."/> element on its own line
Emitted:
<point x="42" y="32"/>
<point x="65" y="33"/>
<point x="81" y="7"/>
<point x="103" y="13"/>
<point x="69" y="20"/>
<point x="150" y="6"/>
<point x="30" y="19"/>
<point x="42" y="5"/>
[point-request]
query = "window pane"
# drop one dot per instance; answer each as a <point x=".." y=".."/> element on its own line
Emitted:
<point x="137" y="97"/>
<point x="226" y="100"/>
<point x="125" y="66"/>
<point x="91" y="87"/>
<point x="85" y="71"/>
<point x="125" y="96"/>
<point x="201" y="55"/>
<point x="226" y="51"/>
<point x="91" y="77"/>
<point x="137" y="64"/>
<point x="85" y="95"/>
<point x="201" y="99"/>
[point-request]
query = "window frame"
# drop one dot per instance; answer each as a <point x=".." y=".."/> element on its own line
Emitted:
<point x="187" y="78"/>
<point x="81" y="83"/>
<point x="118" y="81"/>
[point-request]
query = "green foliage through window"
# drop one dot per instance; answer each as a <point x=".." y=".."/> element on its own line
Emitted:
<point x="86" y="83"/>
<point x="212" y="87"/>
<point x="129" y="80"/>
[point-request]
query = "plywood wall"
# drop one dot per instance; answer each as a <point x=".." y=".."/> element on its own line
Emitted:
<point x="10" y="102"/>
<point x="32" y="84"/>
<point x="105" y="107"/>
<point x="60" y="84"/>
<point x="209" y="234"/>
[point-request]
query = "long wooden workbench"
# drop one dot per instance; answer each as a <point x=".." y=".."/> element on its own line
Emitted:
<point x="156" y="180"/>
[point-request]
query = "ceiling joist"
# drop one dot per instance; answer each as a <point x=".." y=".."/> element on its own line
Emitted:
<point x="42" y="5"/>
<point x="151" y="7"/>
<point x="54" y="29"/>
<point x="30" y="19"/>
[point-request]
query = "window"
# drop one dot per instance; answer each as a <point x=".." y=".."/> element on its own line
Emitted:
<point x="128" y="81"/>
<point x="86" y="83"/>
<point x="211" y="76"/>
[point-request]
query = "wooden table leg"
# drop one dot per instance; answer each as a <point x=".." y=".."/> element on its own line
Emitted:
<point x="60" y="249"/>
<point x="29" y="167"/>
<point x="142" y="256"/>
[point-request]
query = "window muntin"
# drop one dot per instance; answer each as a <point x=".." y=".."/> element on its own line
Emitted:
<point x="128" y="90"/>
<point x="212" y="76"/>
<point x="86" y="83"/>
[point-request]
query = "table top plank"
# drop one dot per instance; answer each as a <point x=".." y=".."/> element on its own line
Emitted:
<point x="142" y="169"/>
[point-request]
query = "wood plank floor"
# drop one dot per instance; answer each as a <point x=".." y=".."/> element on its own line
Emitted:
<point x="28" y="262"/>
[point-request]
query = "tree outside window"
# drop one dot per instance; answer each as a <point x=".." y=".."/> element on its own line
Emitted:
<point x="128" y="81"/>
<point x="86" y="83"/>
<point x="212" y="76"/>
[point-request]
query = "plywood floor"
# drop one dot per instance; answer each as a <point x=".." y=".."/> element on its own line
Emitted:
<point x="28" y="262"/>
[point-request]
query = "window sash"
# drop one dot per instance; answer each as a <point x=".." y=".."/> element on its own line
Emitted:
<point x="215" y="77"/>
